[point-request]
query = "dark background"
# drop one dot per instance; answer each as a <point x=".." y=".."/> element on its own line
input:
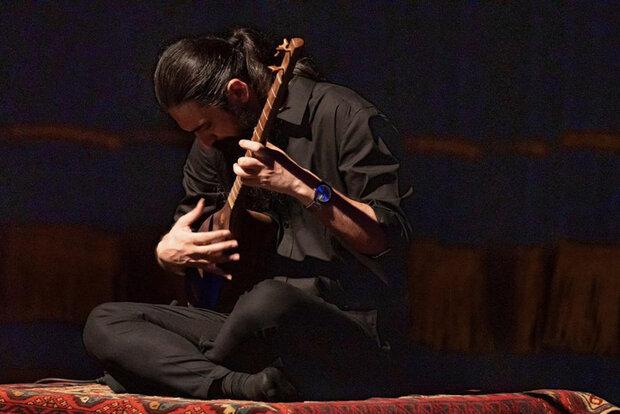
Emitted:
<point x="487" y="97"/>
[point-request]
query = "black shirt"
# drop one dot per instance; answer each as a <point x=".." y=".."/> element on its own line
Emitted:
<point x="333" y="132"/>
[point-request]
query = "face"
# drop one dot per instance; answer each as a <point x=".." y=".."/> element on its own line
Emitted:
<point x="208" y="124"/>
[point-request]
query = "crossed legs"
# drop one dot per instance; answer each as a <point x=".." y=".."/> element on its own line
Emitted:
<point x="173" y="350"/>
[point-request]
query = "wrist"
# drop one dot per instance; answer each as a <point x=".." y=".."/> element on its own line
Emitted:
<point x="171" y="267"/>
<point x="165" y="264"/>
<point x="302" y="192"/>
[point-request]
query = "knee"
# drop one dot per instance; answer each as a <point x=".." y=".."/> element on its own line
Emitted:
<point x="269" y="300"/>
<point x="98" y="336"/>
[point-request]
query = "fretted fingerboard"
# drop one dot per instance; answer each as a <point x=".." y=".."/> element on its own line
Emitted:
<point x="259" y="134"/>
<point x="262" y="129"/>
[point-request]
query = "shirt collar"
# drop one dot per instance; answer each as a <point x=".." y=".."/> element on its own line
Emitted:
<point x="294" y="108"/>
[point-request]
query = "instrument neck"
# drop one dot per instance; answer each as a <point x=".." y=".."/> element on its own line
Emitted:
<point x="261" y="131"/>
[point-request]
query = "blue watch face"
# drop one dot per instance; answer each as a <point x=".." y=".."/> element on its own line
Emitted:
<point x="323" y="193"/>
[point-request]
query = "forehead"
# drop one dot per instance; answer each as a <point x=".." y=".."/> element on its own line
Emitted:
<point x="191" y="115"/>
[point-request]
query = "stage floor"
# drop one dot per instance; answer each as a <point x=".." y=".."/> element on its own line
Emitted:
<point x="95" y="398"/>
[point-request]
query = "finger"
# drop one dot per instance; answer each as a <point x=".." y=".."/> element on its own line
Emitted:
<point x="211" y="268"/>
<point x="217" y="258"/>
<point x="211" y="271"/>
<point x="253" y="146"/>
<point x="247" y="178"/>
<point x="250" y="164"/>
<point x="215" y="248"/>
<point x="208" y="237"/>
<point x="259" y="151"/>
<point x="191" y="216"/>
<point x="241" y="172"/>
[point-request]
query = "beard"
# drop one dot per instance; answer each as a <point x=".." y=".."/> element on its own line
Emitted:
<point x="246" y="117"/>
<point x="246" y="120"/>
<point x="253" y="198"/>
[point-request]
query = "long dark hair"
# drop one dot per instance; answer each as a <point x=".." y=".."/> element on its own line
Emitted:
<point x="198" y="69"/>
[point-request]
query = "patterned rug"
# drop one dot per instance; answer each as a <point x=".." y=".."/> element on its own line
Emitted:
<point x="95" y="398"/>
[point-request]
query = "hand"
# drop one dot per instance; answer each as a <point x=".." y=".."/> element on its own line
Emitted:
<point x="268" y="168"/>
<point x="182" y="248"/>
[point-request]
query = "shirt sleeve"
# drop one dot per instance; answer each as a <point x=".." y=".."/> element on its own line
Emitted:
<point x="202" y="178"/>
<point x="370" y="171"/>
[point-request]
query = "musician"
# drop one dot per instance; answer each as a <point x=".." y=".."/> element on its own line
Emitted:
<point x="329" y="321"/>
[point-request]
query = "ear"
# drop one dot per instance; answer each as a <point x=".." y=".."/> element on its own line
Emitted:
<point x="237" y="92"/>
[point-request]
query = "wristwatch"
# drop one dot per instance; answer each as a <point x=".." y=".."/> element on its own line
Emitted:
<point x="322" y="195"/>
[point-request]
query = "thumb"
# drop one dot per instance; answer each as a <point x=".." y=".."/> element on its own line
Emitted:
<point x="191" y="216"/>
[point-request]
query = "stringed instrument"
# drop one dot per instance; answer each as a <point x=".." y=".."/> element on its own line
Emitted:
<point x="252" y="230"/>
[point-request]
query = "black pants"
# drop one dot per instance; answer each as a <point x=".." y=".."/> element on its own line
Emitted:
<point x="174" y="350"/>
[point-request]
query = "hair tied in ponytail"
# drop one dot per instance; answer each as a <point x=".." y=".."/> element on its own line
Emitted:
<point x="199" y="68"/>
<point x="236" y="43"/>
<point x="239" y="38"/>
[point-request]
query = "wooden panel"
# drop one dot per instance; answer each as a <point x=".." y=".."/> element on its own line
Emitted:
<point x="519" y="299"/>
<point x="448" y="297"/>
<point x="56" y="272"/>
<point x="60" y="272"/>
<point x="584" y="301"/>
<point x="516" y="279"/>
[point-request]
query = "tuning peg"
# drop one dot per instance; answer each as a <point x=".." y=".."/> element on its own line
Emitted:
<point x="283" y="47"/>
<point x="275" y="68"/>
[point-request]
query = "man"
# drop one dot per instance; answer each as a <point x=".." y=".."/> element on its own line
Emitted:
<point x="332" y="324"/>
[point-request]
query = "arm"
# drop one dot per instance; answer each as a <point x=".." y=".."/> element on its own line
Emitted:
<point x="354" y="222"/>
<point x="367" y="218"/>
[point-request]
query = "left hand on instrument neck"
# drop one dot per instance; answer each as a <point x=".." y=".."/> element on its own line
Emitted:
<point x="270" y="168"/>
